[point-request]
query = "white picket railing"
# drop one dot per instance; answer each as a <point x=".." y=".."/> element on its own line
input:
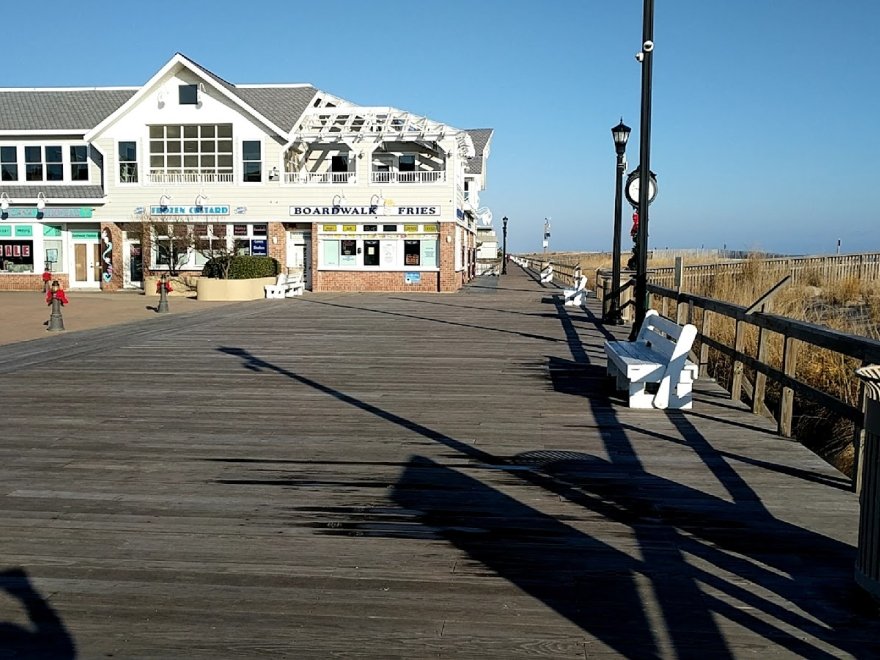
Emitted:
<point x="188" y="176"/>
<point x="422" y="176"/>
<point x="320" y="177"/>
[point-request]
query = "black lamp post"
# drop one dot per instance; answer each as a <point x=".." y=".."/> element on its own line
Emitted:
<point x="620" y="133"/>
<point x="504" y="246"/>
<point x="646" y="57"/>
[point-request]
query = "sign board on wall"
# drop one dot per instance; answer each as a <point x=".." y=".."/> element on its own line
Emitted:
<point x="365" y="210"/>
<point x="189" y="210"/>
<point x="259" y="247"/>
<point x="48" y="213"/>
<point x="412" y="278"/>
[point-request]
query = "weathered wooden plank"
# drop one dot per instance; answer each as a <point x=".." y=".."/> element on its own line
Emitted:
<point x="405" y="476"/>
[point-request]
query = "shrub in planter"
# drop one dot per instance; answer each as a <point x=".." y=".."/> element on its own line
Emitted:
<point x="241" y="267"/>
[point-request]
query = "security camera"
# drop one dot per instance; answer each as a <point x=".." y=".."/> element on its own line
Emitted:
<point x="648" y="46"/>
<point x="640" y="56"/>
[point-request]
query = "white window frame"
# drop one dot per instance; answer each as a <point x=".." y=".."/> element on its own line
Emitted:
<point x="242" y="162"/>
<point x="137" y="162"/>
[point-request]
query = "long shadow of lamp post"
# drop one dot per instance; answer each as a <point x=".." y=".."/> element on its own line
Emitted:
<point x="620" y="133"/>
<point x="646" y="57"/>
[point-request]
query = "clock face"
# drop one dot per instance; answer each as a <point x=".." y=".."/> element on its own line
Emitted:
<point x="632" y="190"/>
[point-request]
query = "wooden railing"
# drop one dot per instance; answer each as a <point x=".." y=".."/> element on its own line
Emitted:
<point x="423" y="176"/>
<point x="802" y="269"/>
<point x="188" y="176"/>
<point x="563" y="273"/>
<point x="320" y="177"/>
<point x="704" y="313"/>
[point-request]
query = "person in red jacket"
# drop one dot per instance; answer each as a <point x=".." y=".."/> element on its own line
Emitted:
<point x="47" y="277"/>
<point x="56" y="292"/>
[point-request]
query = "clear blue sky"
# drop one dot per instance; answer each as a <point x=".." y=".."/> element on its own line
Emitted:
<point x="765" y="112"/>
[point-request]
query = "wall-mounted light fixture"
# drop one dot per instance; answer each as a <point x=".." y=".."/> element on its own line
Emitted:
<point x="163" y="200"/>
<point x="273" y="174"/>
<point x="41" y="201"/>
<point x="201" y="199"/>
<point x="378" y="202"/>
<point x="338" y="200"/>
<point x="4" y="201"/>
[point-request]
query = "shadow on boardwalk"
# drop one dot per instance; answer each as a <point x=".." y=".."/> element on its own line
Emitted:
<point x="703" y="567"/>
<point x="44" y="635"/>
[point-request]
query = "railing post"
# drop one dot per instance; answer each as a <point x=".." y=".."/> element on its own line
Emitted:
<point x="737" y="370"/>
<point x="786" y="403"/>
<point x="704" y="347"/>
<point x="758" y="404"/>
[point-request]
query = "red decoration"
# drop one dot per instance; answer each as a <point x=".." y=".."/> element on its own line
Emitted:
<point x="58" y="294"/>
<point x="635" y="227"/>
<point x="47" y="276"/>
<point x="168" y="288"/>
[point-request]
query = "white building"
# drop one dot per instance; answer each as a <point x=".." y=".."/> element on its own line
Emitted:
<point x="357" y="198"/>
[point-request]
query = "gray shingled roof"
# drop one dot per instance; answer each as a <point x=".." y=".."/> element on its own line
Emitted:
<point x="480" y="138"/>
<point x="52" y="192"/>
<point x="74" y="110"/>
<point x="283" y="106"/>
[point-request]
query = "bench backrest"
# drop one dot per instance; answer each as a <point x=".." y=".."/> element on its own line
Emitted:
<point x="282" y="279"/>
<point x="666" y="337"/>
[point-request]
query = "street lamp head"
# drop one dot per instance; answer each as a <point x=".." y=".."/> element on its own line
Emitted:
<point x="504" y="220"/>
<point x="620" y="133"/>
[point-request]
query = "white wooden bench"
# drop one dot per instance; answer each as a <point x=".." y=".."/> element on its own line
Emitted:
<point x="547" y="274"/>
<point x="286" y="286"/>
<point x="659" y="355"/>
<point x="577" y="296"/>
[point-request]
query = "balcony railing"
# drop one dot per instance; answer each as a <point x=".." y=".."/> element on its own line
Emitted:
<point x="423" y="176"/>
<point x="188" y="176"/>
<point x="320" y="177"/>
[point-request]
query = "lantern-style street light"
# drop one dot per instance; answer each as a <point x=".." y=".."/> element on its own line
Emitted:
<point x="620" y="134"/>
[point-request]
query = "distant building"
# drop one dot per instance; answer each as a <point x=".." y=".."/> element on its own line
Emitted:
<point x="356" y="198"/>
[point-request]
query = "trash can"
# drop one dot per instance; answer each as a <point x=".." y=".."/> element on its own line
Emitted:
<point x="868" y="558"/>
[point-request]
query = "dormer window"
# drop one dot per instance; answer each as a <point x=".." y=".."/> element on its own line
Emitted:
<point x="188" y="94"/>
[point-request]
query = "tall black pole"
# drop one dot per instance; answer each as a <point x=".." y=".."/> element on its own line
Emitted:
<point x="647" y="51"/>
<point x="504" y="247"/>
<point x="614" y="310"/>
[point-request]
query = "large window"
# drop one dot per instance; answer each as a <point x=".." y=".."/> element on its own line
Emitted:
<point x="79" y="163"/>
<point x="128" y="167"/>
<point x="9" y="163"/>
<point x="251" y="161"/>
<point x="191" y="153"/>
<point x="17" y="256"/>
<point x="43" y="163"/>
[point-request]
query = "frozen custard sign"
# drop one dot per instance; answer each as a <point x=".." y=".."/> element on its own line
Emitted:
<point x="189" y="210"/>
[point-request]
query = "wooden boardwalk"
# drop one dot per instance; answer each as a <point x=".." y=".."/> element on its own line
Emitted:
<point x="402" y="476"/>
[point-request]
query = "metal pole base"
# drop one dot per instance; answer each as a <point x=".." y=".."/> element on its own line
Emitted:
<point x="163" y="305"/>
<point x="56" y="322"/>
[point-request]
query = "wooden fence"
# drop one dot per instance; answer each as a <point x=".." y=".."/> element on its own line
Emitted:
<point x="753" y="330"/>
<point x="803" y="270"/>
<point x="705" y="314"/>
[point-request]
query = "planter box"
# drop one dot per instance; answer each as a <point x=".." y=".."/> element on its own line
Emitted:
<point x="227" y="290"/>
<point x="181" y="285"/>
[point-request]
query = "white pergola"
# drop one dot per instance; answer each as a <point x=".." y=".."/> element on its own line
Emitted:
<point x="352" y="125"/>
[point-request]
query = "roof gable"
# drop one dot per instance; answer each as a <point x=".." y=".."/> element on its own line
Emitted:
<point x="224" y="88"/>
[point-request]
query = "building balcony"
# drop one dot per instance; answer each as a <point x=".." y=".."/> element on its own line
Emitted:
<point x="320" y="177"/>
<point x="422" y="176"/>
<point x="167" y="177"/>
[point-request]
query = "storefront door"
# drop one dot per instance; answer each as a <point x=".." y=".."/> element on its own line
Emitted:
<point x="299" y="248"/>
<point x="132" y="264"/>
<point x="86" y="264"/>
